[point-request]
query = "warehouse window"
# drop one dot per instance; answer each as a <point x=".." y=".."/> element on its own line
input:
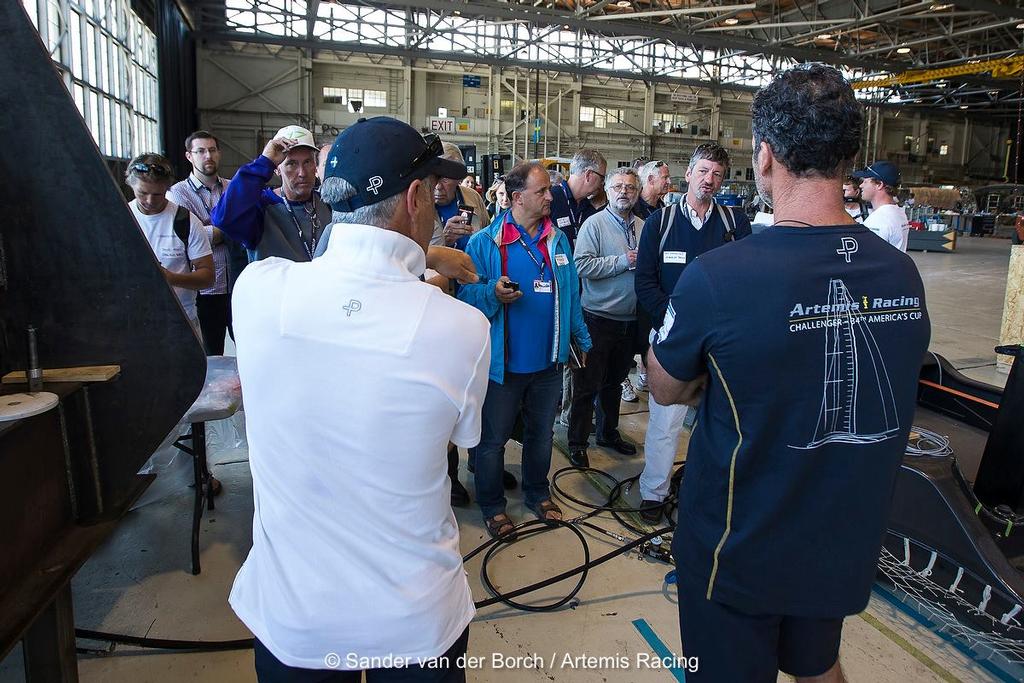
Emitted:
<point x="943" y="150"/>
<point x="335" y="95"/>
<point x="107" y="59"/>
<point x="587" y="114"/>
<point x="375" y="98"/>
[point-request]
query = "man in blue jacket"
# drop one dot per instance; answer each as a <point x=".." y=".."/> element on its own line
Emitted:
<point x="286" y="222"/>
<point x="671" y="239"/>
<point x="529" y="291"/>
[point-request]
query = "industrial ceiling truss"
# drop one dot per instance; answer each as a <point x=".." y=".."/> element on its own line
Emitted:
<point x="728" y="44"/>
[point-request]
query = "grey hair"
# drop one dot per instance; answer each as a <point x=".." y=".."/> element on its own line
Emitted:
<point x="587" y="160"/>
<point x="379" y="214"/>
<point x="711" y="151"/>
<point x="616" y="173"/>
<point x="648" y="169"/>
<point x="452" y="153"/>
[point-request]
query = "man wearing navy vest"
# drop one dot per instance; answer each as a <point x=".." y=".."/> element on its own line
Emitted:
<point x="570" y="206"/>
<point x="801" y="345"/>
<point x="671" y="239"/>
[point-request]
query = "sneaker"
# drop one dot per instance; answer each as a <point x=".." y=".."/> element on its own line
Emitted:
<point x="641" y="384"/>
<point x="650" y="511"/>
<point x="628" y="394"/>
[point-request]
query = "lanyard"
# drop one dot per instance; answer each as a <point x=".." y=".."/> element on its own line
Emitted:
<point x="314" y="223"/>
<point x="529" y="252"/>
<point x="196" y="187"/>
<point x="569" y="201"/>
<point x="627" y="227"/>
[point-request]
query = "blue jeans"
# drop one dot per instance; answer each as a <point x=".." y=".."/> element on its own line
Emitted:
<point x="536" y="393"/>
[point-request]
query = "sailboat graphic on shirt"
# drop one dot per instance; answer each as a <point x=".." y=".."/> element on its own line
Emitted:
<point x="857" y="403"/>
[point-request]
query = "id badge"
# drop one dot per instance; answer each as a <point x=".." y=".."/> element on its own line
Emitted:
<point x="542" y="286"/>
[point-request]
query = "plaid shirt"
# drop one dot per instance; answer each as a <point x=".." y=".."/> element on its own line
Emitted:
<point x="200" y="200"/>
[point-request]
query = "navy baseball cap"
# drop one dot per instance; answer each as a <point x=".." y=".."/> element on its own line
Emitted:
<point x="885" y="171"/>
<point x="381" y="156"/>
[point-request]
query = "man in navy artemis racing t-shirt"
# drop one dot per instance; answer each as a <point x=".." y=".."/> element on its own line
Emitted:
<point x="802" y="345"/>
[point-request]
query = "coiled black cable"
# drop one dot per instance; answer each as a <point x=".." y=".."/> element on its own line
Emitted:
<point x="489" y="548"/>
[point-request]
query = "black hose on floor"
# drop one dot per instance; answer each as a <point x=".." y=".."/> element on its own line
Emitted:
<point x="644" y="544"/>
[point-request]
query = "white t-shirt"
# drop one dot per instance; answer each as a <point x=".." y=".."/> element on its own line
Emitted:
<point x="889" y="222"/>
<point x="169" y="250"/>
<point x="356" y="376"/>
<point x="856" y="214"/>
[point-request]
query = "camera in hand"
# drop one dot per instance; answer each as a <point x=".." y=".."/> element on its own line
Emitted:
<point x="514" y="286"/>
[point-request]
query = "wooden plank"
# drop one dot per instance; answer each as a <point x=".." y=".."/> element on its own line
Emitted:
<point x="85" y="373"/>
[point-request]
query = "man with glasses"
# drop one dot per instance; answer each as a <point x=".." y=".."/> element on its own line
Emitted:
<point x="605" y="261"/>
<point x="570" y="206"/>
<point x="655" y="182"/>
<point x="199" y="193"/>
<point x="672" y="238"/>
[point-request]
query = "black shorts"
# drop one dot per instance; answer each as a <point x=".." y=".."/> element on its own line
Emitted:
<point x="732" y="645"/>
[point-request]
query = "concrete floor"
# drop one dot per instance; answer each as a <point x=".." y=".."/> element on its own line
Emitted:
<point x="139" y="582"/>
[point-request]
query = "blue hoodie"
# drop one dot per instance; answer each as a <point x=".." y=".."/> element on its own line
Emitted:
<point x="485" y="249"/>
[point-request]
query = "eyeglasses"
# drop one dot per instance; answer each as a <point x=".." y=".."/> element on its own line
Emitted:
<point x="620" y="188"/>
<point x="601" y="175"/>
<point x="433" y="150"/>
<point x="150" y="169"/>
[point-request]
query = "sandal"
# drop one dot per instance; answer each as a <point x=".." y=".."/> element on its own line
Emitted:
<point x="545" y="508"/>
<point x="501" y="526"/>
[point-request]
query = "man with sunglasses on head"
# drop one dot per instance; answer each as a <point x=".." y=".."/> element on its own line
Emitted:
<point x="355" y="563"/>
<point x="655" y="182"/>
<point x="672" y="238"/>
<point x="888" y="220"/>
<point x="175" y="234"/>
<point x="605" y="261"/>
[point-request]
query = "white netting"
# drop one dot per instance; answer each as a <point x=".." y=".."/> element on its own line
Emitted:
<point x="957" y="602"/>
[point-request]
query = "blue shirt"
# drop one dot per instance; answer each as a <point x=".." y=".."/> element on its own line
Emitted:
<point x="445" y="212"/>
<point x="812" y="340"/>
<point x="531" y="319"/>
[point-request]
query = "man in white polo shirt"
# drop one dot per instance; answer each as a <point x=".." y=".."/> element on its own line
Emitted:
<point x="887" y="219"/>
<point x="355" y="563"/>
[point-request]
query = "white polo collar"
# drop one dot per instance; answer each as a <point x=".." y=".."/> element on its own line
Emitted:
<point x="375" y="251"/>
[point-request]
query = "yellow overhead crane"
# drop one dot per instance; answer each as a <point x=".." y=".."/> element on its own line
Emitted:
<point x="1006" y="67"/>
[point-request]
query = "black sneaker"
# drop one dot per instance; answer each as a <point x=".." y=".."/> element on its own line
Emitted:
<point x="650" y="511"/>
<point x="579" y="458"/>
<point x="460" y="496"/>
<point x="619" y="444"/>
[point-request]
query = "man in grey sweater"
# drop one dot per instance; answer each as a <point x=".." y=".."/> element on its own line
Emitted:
<point x="605" y="258"/>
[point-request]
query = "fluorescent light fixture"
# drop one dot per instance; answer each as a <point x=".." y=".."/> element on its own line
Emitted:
<point x="824" y="36"/>
<point x="963" y="106"/>
<point x="623" y="3"/>
<point x="903" y="51"/>
<point x="731" y="21"/>
<point x="1020" y="25"/>
<point x="939" y="8"/>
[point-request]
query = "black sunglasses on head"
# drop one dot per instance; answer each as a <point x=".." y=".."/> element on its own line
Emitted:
<point x="433" y="150"/>
<point x="150" y="169"/>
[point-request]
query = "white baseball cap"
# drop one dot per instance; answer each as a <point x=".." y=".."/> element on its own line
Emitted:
<point x="302" y="136"/>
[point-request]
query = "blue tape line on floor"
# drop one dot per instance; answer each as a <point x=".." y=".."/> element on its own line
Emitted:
<point x="659" y="647"/>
